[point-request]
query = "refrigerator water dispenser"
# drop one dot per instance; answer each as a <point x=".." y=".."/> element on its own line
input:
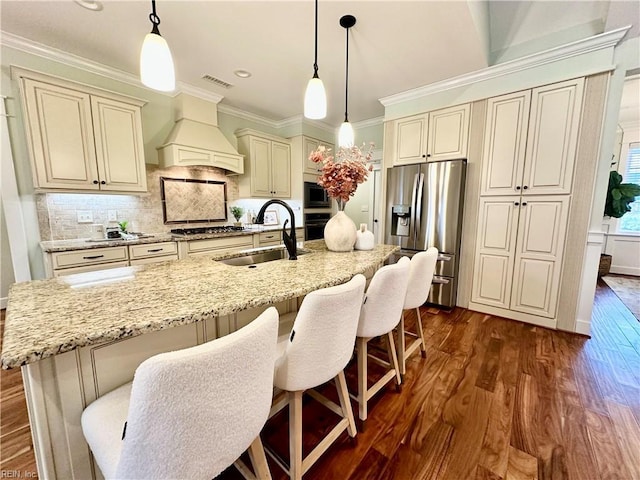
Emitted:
<point x="401" y="220"/>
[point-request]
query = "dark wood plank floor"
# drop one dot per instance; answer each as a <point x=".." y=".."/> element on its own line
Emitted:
<point x="493" y="399"/>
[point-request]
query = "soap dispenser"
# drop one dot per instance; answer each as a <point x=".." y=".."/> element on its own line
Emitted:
<point x="364" y="238"/>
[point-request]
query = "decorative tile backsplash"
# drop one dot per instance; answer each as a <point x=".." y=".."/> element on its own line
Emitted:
<point x="58" y="212"/>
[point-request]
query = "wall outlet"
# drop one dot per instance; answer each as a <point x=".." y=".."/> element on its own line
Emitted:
<point x="112" y="216"/>
<point x="85" y="216"/>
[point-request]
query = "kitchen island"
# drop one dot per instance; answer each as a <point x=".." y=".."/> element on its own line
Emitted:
<point x="80" y="336"/>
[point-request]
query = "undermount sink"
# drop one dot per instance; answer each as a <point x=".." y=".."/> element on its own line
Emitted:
<point x="258" y="257"/>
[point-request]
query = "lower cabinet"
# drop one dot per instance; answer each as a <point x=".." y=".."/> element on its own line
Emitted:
<point x="208" y="246"/>
<point x="152" y="253"/>
<point x="519" y="248"/>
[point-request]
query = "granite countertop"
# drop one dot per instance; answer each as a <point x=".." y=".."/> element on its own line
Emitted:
<point x="49" y="317"/>
<point x="49" y="246"/>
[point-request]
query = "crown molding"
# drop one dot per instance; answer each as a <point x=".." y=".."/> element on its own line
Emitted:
<point x="580" y="47"/>
<point x="372" y="122"/>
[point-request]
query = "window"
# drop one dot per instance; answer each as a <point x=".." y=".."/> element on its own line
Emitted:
<point x="630" y="222"/>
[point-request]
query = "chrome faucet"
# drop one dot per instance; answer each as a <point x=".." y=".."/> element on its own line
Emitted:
<point x="289" y="239"/>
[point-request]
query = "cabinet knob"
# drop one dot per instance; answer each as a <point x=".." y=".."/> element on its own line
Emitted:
<point x="517" y="187"/>
<point x="424" y="156"/>
<point x="516" y="203"/>
<point x="103" y="182"/>
<point x="524" y="204"/>
<point x="525" y="187"/>
<point x="95" y="182"/>
<point x="428" y="154"/>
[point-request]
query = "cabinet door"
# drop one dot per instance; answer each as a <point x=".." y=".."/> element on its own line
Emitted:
<point x="281" y="170"/>
<point x="308" y="146"/>
<point x="505" y="144"/>
<point x="411" y="140"/>
<point x="119" y="145"/>
<point x="552" y="137"/>
<point x="495" y="251"/>
<point x="448" y="133"/>
<point x="60" y="134"/>
<point x="260" y="167"/>
<point x="541" y="236"/>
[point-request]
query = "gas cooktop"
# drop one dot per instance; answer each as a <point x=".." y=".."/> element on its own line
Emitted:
<point x="201" y="230"/>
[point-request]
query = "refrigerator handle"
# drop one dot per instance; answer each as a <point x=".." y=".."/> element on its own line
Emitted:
<point x="412" y="217"/>
<point x="418" y="209"/>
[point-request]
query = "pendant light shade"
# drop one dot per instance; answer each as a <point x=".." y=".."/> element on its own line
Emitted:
<point x="315" y="100"/>
<point x="345" y="135"/>
<point x="156" y="63"/>
<point x="315" y="97"/>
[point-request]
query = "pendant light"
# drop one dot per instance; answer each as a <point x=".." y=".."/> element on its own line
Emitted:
<point x="156" y="63"/>
<point x="345" y="135"/>
<point x="315" y="97"/>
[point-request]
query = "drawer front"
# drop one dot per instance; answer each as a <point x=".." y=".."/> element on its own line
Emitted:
<point x="270" y="237"/>
<point x="89" y="268"/>
<point x="195" y="246"/>
<point x="148" y="260"/>
<point x="152" y="250"/>
<point x="78" y="258"/>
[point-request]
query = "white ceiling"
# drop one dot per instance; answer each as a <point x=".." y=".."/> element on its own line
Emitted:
<point x="395" y="45"/>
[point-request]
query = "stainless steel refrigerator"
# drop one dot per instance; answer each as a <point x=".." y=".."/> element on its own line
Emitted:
<point x="424" y="209"/>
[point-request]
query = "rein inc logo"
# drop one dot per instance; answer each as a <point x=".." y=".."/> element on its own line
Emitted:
<point x="17" y="474"/>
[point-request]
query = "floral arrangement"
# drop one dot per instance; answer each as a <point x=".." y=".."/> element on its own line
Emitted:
<point x="342" y="174"/>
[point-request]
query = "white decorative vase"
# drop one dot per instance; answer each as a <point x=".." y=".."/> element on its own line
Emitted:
<point x="364" y="238"/>
<point x="340" y="233"/>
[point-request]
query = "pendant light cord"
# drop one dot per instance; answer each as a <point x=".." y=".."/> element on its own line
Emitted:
<point x="346" y="81"/>
<point x="315" y="59"/>
<point x="154" y="18"/>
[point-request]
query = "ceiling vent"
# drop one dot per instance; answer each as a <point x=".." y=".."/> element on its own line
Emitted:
<point x="217" y="81"/>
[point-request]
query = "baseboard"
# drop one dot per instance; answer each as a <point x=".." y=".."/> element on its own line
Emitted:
<point x="625" y="270"/>
<point x="583" y="327"/>
<point x="3" y="303"/>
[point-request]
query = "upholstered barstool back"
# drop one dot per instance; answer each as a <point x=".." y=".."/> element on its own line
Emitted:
<point x="317" y="350"/>
<point x="324" y="328"/>
<point x="189" y="413"/>
<point x="423" y="266"/>
<point x="380" y="314"/>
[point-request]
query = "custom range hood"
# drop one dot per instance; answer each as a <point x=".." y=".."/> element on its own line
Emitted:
<point x="196" y="139"/>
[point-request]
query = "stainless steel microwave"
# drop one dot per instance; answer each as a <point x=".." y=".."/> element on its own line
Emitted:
<point x="315" y="196"/>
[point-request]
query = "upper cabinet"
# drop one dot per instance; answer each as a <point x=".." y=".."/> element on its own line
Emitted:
<point x="437" y="135"/>
<point x="81" y="138"/>
<point x="267" y="166"/>
<point x="530" y="140"/>
<point x="309" y="145"/>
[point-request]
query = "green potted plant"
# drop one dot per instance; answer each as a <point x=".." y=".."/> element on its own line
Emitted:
<point x="619" y="197"/>
<point x="237" y="213"/>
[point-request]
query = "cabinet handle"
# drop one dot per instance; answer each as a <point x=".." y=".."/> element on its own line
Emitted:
<point x="525" y="187"/>
<point x="270" y="236"/>
<point x="95" y="182"/>
<point x="153" y="250"/>
<point x="93" y="257"/>
<point x="428" y="154"/>
<point x="524" y="204"/>
<point x="103" y="182"/>
<point x="518" y="187"/>
<point x="516" y="203"/>
<point x="424" y="156"/>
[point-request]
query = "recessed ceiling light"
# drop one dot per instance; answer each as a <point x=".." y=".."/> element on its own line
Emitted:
<point x="242" y="73"/>
<point x="94" y="5"/>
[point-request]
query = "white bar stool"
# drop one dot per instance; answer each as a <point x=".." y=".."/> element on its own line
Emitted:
<point x="380" y="314"/>
<point x="317" y="350"/>
<point x="189" y="413"/>
<point x="423" y="265"/>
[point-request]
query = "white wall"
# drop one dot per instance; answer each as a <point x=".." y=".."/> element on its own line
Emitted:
<point x="6" y="268"/>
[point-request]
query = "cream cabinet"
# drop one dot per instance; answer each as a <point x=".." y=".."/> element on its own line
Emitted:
<point x="208" y="246"/>
<point x="267" y="167"/>
<point x="86" y="260"/>
<point x="274" y="237"/>
<point x="519" y="253"/>
<point x="530" y="140"/>
<point x="433" y="136"/>
<point x="143" y="254"/>
<point x="309" y="145"/>
<point x="80" y="138"/>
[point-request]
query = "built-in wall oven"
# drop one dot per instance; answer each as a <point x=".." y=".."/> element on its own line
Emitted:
<point x="315" y="196"/>
<point x="314" y="225"/>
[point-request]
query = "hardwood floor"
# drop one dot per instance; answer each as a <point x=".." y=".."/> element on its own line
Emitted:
<point x="493" y="399"/>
